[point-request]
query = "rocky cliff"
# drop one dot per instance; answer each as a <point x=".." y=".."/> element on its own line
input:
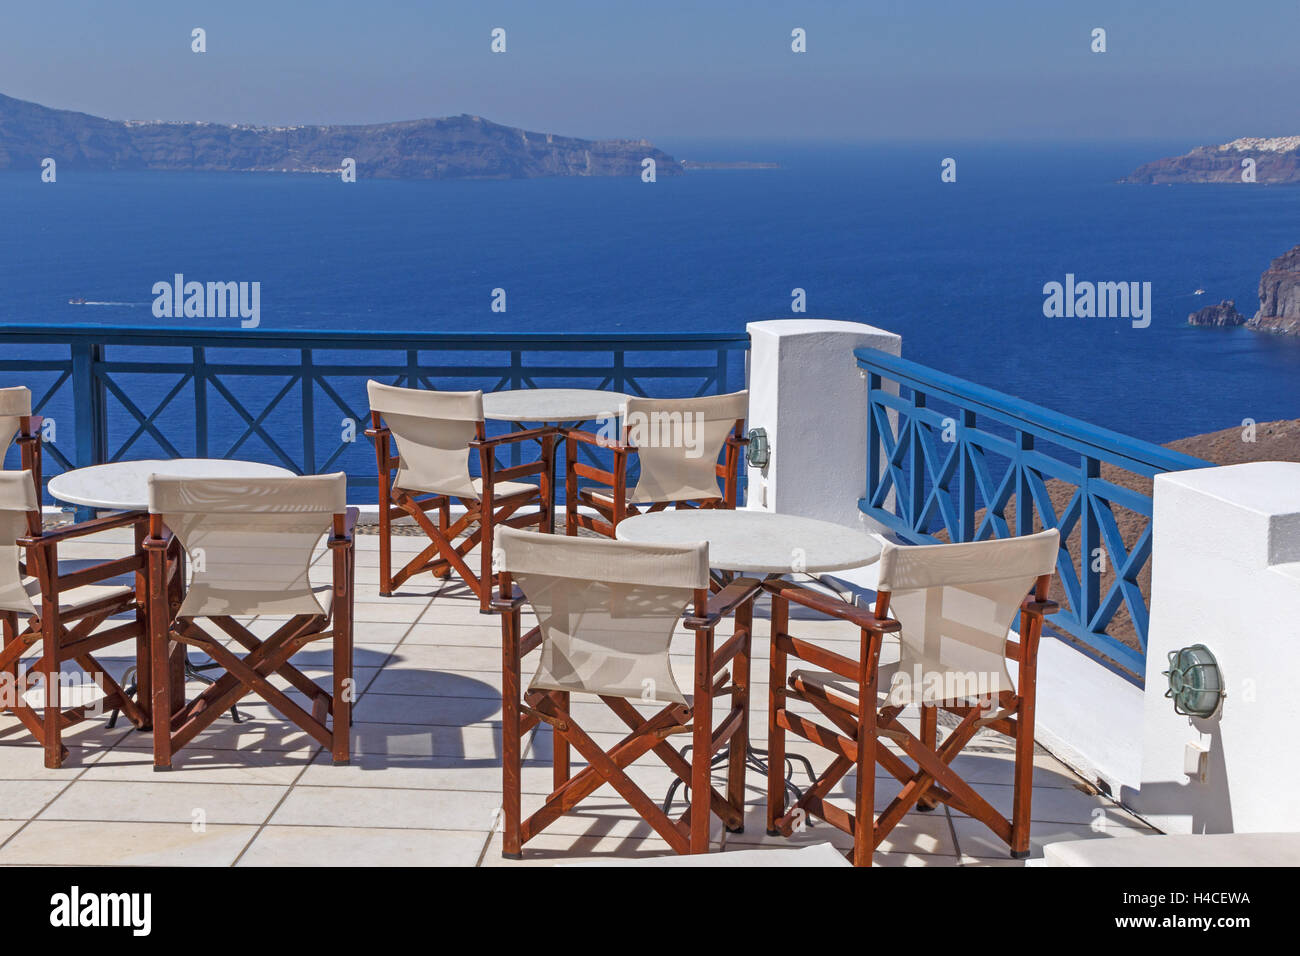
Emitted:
<point x="457" y="147"/>
<point x="1221" y="316"/>
<point x="1277" y="161"/>
<point x="1279" y="296"/>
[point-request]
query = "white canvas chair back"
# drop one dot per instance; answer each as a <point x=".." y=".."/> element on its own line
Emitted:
<point x="607" y="609"/>
<point x="678" y="442"/>
<point x="15" y="403"/>
<point x="433" y="431"/>
<point x="17" y="500"/>
<point x="249" y="540"/>
<point x="956" y="603"/>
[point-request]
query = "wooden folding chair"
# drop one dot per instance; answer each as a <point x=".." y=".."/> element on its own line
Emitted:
<point x="249" y="545"/>
<point x="678" y="444"/>
<point x="607" y="610"/>
<point x="18" y="423"/>
<point x="63" y="611"/>
<point x="435" y="433"/>
<point x="952" y="606"/>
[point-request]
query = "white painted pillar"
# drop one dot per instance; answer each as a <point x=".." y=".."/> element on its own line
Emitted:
<point x="1226" y="573"/>
<point x="807" y="392"/>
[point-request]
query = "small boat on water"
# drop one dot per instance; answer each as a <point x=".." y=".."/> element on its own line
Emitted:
<point x="77" y="301"/>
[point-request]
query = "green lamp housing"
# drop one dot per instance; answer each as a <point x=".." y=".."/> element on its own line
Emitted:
<point x="1195" y="681"/>
<point x="757" y="452"/>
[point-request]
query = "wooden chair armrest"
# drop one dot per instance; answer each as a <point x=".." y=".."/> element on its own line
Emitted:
<point x="350" y="517"/>
<point x="1034" y="606"/>
<point x="831" y="607"/>
<point x="528" y="434"/>
<point x="151" y="543"/>
<point x="723" y="603"/>
<point x="587" y="438"/>
<point x="502" y="605"/>
<point x="55" y="535"/>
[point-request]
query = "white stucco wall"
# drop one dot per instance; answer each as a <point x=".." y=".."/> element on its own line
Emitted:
<point x="1226" y="573"/>
<point x="807" y="391"/>
<point x="1087" y="717"/>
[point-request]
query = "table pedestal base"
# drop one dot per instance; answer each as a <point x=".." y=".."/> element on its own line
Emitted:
<point x="753" y="761"/>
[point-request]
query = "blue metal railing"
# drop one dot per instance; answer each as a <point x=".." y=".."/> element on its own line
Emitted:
<point x="297" y="398"/>
<point x="946" y="457"/>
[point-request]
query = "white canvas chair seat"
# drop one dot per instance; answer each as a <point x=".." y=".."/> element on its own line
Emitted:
<point x="74" y="599"/>
<point x="500" y="489"/>
<point x="678" y="442"/>
<point x="835" y="685"/>
<point x="843" y="686"/>
<point x="86" y="694"/>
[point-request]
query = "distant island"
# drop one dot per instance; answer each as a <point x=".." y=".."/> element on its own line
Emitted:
<point x="456" y="147"/>
<point x="1276" y="162"/>
<point x="1279" y="301"/>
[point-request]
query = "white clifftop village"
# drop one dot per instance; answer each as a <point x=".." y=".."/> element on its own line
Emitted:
<point x="1263" y="144"/>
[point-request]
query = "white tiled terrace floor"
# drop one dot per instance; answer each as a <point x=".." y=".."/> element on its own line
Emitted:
<point x="423" y="787"/>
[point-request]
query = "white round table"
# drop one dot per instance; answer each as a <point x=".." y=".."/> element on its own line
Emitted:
<point x="557" y="405"/>
<point x="757" y="542"/>
<point x="124" y="485"/>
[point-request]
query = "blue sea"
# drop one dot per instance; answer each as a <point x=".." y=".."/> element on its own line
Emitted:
<point x="869" y="232"/>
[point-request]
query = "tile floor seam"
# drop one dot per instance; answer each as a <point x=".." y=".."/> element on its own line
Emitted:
<point x="318" y="751"/>
<point x="62" y="790"/>
<point x="524" y="747"/>
<point x="275" y="809"/>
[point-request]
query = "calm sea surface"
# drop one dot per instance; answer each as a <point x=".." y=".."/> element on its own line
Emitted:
<point x="870" y="233"/>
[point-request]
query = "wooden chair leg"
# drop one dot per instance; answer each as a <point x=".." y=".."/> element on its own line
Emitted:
<point x="776" y="704"/>
<point x="160" y="709"/>
<point x="570" y="487"/>
<point x="485" y="575"/>
<point x="864" y="825"/>
<point x="51" y="717"/>
<point x="444" y="524"/>
<point x="560" y="744"/>
<point x="10" y="624"/>
<point x="740" y="668"/>
<point x="511" y="743"/>
<point x="143" y="661"/>
<point x="1022" y="794"/>
<point x="546" y="487"/>
<point x="864" y="811"/>
<point x="930" y="737"/>
<point x="344" y="687"/>
<point x="702" y="743"/>
<point x="385" y="539"/>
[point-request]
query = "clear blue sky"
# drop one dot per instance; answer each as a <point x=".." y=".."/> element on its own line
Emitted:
<point x="1197" y="70"/>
